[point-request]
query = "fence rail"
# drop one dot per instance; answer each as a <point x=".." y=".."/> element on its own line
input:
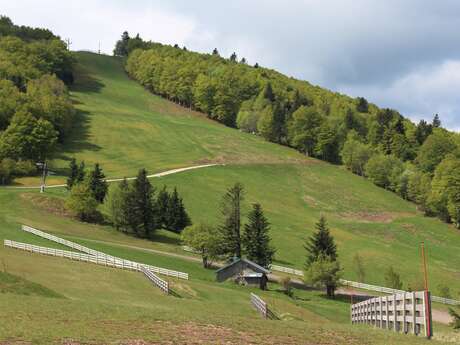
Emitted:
<point x="287" y="270"/>
<point x="261" y="306"/>
<point x="76" y="246"/>
<point x="366" y="286"/>
<point x="162" y="284"/>
<point x="407" y="312"/>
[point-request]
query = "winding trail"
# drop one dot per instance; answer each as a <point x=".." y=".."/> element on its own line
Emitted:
<point x="161" y="174"/>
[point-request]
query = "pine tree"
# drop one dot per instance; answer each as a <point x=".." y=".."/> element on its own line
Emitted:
<point x="97" y="183"/>
<point x="256" y="240"/>
<point x="436" y="121"/>
<point x="233" y="57"/>
<point x="215" y="52"/>
<point x="231" y="227"/>
<point x="243" y="61"/>
<point x="163" y="207"/>
<point x="71" y="180"/>
<point x="321" y="244"/>
<point x="256" y="65"/>
<point x="177" y="218"/>
<point x="143" y="213"/>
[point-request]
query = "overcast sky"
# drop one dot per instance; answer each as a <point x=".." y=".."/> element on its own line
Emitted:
<point x="403" y="54"/>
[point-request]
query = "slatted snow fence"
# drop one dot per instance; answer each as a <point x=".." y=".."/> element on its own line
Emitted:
<point x="407" y="312"/>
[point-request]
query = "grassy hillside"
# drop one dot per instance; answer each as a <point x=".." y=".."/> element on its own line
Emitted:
<point x="124" y="128"/>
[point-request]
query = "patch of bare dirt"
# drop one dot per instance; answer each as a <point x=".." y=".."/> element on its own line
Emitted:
<point x="51" y="205"/>
<point x="373" y="217"/>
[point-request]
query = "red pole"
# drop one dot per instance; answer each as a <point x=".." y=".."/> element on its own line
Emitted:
<point x="427" y="296"/>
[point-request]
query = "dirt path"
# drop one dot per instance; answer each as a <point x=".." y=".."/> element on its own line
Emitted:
<point x="161" y="174"/>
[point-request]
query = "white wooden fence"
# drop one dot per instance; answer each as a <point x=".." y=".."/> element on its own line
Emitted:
<point x="365" y="286"/>
<point x="407" y="312"/>
<point x="287" y="270"/>
<point x="259" y="304"/>
<point x="127" y="263"/>
<point x="162" y="284"/>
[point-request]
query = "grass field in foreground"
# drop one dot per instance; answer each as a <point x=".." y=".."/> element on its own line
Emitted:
<point x="94" y="304"/>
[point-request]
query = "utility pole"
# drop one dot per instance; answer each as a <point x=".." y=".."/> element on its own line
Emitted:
<point x="44" y="173"/>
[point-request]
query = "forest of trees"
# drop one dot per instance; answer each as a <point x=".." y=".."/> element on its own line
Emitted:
<point x="416" y="161"/>
<point x="35" y="109"/>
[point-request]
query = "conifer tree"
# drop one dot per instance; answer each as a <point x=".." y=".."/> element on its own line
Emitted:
<point x="97" y="183"/>
<point x="163" y="207"/>
<point x="436" y="121"/>
<point x="73" y="173"/>
<point x="321" y="244"/>
<point x="231" y="225"/>
<point x="177" y="217"/>
<point x="215" y="52"/>
<point x="143" y="215"/>
<point x="256" y="240"/>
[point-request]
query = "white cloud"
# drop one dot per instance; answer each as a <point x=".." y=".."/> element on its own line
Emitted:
<point x="87" y="23"/>
<point x="421" y="93"/>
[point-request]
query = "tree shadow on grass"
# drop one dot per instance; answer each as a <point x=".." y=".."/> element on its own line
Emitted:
<point x="85" y="82"/>
<point x="78" y="140"/>
<point x="164" y="239"/>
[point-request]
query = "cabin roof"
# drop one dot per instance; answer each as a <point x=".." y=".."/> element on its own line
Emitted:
<point x="252" y="265"/>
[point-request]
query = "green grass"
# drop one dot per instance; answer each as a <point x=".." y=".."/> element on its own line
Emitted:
<point x="9" y="283"/>
<point x="123" y="127"/>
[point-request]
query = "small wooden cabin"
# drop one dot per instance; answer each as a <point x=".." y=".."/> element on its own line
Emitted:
<point x="245" y="272"/>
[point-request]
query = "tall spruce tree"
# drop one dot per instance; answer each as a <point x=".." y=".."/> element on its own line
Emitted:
<point x="321" y="244"/>
<point x="256" y="240"/>
<point x="177" y="217"/>
<point x="163" y="207"/>
<point x="143" y="215"/>
<point x="231" y="225"/>
<point x="97" y="183"/>
<point x="436" y="121"/>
